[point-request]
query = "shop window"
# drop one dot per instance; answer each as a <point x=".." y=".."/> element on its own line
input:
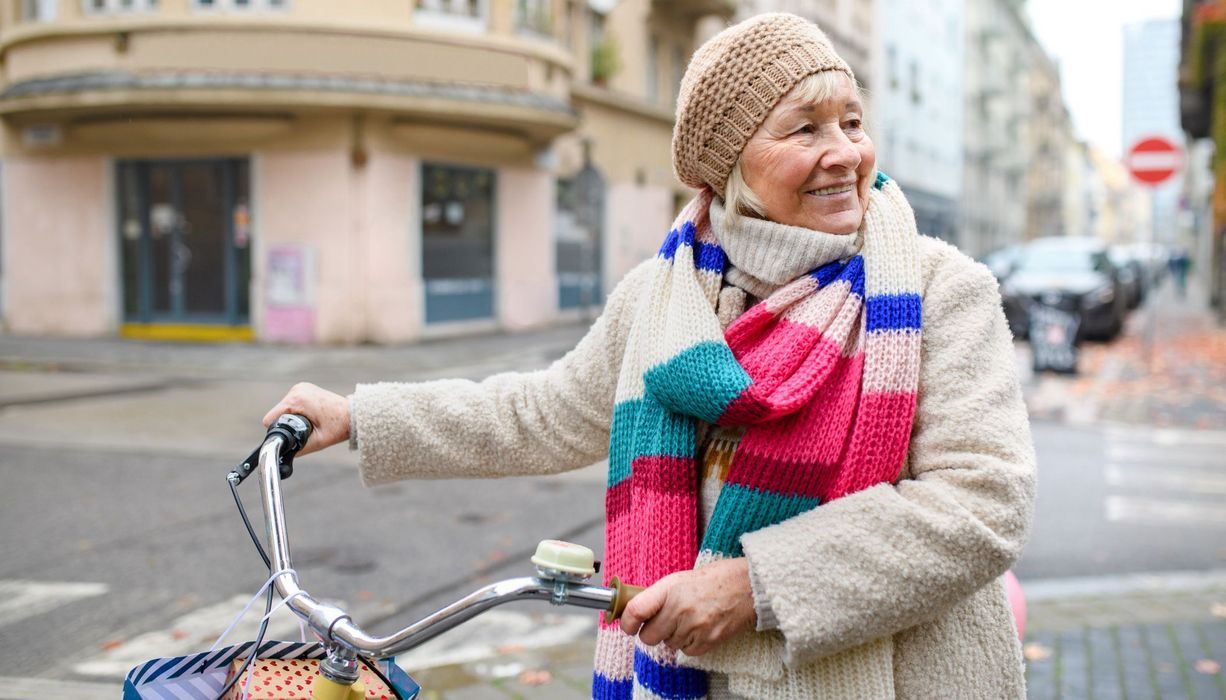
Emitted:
<point x="457" y="238"/>
<point x="459" y="15"/>
<point x="534" y="17"/>
<point x="577" y="239"/>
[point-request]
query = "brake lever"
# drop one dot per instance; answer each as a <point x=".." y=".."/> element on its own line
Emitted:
<point x="293" y="430"/>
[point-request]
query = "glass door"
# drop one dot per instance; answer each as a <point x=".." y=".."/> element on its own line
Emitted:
<point x="184" y="227"/>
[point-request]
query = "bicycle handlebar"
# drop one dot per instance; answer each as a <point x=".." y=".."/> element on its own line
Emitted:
<point x="335" y="625"/>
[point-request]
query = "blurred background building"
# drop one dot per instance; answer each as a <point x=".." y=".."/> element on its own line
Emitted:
<point x="918" y="126"/>
<point x="310" y="171"/>
<point x="1202" y="113"/>
<point x="385" y="171"/>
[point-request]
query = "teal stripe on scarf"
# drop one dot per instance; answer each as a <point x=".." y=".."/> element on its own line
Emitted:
<point x="641" y="428"/>
<point x="740" y="509"/>
<point x="699" y="381"/>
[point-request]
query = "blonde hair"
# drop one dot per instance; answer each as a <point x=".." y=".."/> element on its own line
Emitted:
<point x="739" y="200"/>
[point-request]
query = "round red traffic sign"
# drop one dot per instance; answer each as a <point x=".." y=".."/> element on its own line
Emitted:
<point x="1153" y="160"/>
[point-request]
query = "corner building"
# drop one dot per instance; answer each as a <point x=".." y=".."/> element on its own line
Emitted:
<point x="317" y="172"/>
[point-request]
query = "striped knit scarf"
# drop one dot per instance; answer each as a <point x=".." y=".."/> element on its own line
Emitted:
<point x="823" y="373"/>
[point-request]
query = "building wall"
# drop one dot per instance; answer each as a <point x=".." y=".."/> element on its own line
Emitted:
<point x="60" y="262"/>
<point x="997" y="116"/>
<point x="919" y="95"/>
<point x="524" y="248"/>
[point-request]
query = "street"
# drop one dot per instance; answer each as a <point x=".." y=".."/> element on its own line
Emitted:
<point x="121" y="541"/>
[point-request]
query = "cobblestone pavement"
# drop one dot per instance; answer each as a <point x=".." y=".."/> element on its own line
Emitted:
<point x="1122" y="637"/>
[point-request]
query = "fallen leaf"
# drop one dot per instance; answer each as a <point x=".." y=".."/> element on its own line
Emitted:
<point x="509" y="648"/>
<point x="110" y="644"/>
<point x="1218" y="610"/>
<point x="1208" y="666"/>
<point x="178" y="634"/>
<point x="364" y="596"/>
<point x="1035" y="652"/>
<point x="535" y="677"/>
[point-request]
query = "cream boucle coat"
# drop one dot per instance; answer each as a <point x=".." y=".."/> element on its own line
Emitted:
<point x="914" y="565"/>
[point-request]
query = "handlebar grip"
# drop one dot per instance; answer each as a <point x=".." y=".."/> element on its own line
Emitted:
<point x="623" y="593"/>
<point x="294" y="428"/>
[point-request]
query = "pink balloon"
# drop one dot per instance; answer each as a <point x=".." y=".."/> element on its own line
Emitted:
<point x="1017" y="601"/>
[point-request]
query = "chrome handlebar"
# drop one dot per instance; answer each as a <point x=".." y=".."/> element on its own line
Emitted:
<point x="336" y="627"/>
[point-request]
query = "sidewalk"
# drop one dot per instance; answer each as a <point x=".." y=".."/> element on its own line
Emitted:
<point x="1168" y="369"/>
<point x="1138" y="636"/>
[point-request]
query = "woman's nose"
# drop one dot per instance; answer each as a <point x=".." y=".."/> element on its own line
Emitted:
<point x="839" y="152"/>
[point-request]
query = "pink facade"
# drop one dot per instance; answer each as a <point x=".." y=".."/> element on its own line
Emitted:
<point x="60" y="272"/>
<point x="524" y="249"/>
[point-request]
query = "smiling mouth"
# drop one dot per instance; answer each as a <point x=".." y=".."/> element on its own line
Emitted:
<point x="837" y="189"/>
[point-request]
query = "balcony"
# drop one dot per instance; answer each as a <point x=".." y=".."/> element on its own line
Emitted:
<point x="158" y="62"/>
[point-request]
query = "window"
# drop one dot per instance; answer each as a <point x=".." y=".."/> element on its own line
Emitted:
<point x="241" y="5"/>
<point x="108" y="7"/>
<point x="457" y="219"/>
<point x="38" y="10"/>
<point x="460" y="15"/>
<point x="534" y="17"/>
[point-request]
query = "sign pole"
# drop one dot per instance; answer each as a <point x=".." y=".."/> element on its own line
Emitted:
<point x="1152" y="161"/>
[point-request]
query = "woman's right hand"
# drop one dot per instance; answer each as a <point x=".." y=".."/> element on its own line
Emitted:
<point x="327" y="411"/>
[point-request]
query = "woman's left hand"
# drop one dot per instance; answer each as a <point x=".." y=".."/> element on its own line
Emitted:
<point x="694" y="611"/>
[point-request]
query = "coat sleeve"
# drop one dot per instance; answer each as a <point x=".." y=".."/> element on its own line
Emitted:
<point x="516" y="423"/>
<point x="893" y="556"/>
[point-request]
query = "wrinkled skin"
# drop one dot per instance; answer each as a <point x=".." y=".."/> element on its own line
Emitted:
<point x="694" y="611"/>
<point x="802" y="148"/>
<point x="327" y="411"/>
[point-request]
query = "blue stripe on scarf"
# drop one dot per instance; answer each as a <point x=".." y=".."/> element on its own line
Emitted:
<point x="740" y="509"/>
<point x="674" y="682"/>
<point x="605" y="689"/>
<point x="894" y="312"/>
<point x="658" y="433"/>
<point x="699" y="381"/>
<point x="707" y="256"/>
<point x="852" y="271"/>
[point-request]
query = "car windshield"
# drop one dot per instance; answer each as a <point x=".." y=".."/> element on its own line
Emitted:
<point x="1051" y="259"/>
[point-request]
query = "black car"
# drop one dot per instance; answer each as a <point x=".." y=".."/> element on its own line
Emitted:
<point x="1075" y="274"/>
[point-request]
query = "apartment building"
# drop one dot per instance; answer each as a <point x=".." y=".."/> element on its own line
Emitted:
<point x="309" y="171"/>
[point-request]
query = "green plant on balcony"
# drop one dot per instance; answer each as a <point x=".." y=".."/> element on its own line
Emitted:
<point x="605" y="60"/>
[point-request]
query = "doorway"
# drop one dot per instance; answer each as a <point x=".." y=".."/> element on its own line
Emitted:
<point x="185" y="235"/>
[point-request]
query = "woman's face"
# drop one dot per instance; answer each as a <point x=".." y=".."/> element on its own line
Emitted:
<point x="812" y="164"/>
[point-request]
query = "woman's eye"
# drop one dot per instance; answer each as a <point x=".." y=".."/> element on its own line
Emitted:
<point x="853" y="124"/>
<point x="806" y="129"/>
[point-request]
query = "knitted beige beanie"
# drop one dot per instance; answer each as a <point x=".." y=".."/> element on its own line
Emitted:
<point x="732" y="83"/>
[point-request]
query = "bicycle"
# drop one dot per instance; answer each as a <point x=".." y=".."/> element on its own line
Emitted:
<point x="344" y="650"/>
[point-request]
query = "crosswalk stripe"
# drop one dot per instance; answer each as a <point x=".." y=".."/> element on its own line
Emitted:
<point x="42" y="688"/>
<point x="22" y="599"/>
<point x="1168" y="437"/>
<point x="1130" y="509"/>
<point x="1167" y="478"/>
<point x="1158" y="456"/>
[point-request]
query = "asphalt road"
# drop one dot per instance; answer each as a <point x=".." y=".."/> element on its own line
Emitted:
<point x="120" y="541"/>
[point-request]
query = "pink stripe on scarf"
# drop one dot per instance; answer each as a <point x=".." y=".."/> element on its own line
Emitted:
<point x="883" y="431"/>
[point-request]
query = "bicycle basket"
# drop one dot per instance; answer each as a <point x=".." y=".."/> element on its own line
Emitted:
<point x="203" y="675"/>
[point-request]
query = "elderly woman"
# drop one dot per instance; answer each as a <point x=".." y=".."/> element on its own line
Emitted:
<point x="819" y="460"/>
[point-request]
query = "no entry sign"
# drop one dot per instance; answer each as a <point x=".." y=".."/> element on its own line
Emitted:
<point x="1153" y="160"/>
